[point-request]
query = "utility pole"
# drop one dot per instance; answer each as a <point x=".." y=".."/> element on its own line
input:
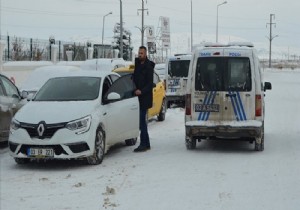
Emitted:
<point x="271" y="37"/>
<point x="142" y="28"/>
<point x="121" y="30"/>
<point x="191" y="26"/>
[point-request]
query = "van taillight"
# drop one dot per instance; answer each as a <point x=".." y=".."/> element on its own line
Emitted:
<point x="258" y="105"/>
<point x="188" y="104"/>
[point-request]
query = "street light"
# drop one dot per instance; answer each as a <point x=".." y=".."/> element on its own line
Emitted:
<point x="121" y="30"/>
<point x="103" y="32"/>
<point x="218" y="19"/>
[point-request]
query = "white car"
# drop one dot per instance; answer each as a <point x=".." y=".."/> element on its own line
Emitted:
<point x="79" y="115"/>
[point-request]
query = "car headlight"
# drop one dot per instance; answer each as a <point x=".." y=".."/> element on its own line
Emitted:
<point x="14" y="124"/>
<point x="81" y="125"/>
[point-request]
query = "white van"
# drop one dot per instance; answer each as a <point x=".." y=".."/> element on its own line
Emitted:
<point x="176" y="79"/>
<point x="225" y="95"/>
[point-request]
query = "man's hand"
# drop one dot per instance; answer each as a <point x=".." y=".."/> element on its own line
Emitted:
<point x="137" y="92"/>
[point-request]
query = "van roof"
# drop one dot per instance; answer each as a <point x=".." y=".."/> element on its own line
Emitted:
<point x="180" y="57"/>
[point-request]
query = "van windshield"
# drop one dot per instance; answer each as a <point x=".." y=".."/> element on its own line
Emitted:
<point x="179" y="68"/>
<point x="223" y="74"/>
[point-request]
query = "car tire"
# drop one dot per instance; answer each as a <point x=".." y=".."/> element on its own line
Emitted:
<point x="163" y="110"/>
<point x="130" y="142"/>
<point x="22" y="161"/>
<point x="99" y="150"/>
<point x="260" y="141"/>
<point x="190" y="143"/>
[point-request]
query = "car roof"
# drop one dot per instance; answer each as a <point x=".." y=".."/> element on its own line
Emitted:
<point x="129" y="69"/>
<point x="41" y="74"/>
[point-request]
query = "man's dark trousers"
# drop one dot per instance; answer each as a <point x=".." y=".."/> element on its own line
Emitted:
<point x="144" y="136"/>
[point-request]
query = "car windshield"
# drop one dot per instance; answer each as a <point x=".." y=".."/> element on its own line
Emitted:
<point x="223" y="74"/>
<point x="179" y="68"/>
<point x="69" y="89"/>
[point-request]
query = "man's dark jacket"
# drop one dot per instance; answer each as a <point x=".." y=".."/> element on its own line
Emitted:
<point x="143" y="79"/>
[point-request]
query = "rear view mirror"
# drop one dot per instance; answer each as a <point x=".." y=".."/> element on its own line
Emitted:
<point x="267" y="86"/>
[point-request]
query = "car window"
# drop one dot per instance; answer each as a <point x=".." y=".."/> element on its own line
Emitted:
<point x="1" y="90"/>
<point x="10" y="88"/>
<point x="69" y="89"/>
<point x="123" y="86"/>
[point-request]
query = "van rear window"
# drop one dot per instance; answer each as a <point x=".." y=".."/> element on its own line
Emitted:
<point x="179" y="68"/>
<point x="223" y="74"/>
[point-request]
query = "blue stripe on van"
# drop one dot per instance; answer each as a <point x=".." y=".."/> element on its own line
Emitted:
<point x="238" y="106"/>
<point x="233" y="105"/>
<point x="242" y="107"/>
<point x="212" y="102"/>
<point x="204" y="103"/>
<point x="208" y="103"/>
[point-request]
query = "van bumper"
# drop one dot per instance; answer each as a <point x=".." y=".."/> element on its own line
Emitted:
<point x="226" y="129"/>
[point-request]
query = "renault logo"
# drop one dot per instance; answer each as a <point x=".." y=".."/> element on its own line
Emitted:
<point x="40" y="129"/>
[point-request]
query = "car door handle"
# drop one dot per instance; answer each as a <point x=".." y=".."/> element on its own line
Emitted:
<point x="230" y="95"/>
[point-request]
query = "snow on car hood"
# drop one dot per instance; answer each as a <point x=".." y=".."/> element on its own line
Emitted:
<point x="55" y="112"/>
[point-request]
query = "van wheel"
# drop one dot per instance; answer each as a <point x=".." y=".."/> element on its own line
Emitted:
<point x="260" y="141"/>
<point x="22" y="161"/>
<point x="131" y="142"/>
<point x="190" y="143"/>
<point x="99" y="150"/>
<point x="163" y="110"/>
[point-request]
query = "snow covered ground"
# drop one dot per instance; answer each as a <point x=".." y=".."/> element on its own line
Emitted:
<point x="217" y="175"/>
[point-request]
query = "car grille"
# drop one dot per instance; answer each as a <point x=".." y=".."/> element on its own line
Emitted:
<point x="35" y="131"/>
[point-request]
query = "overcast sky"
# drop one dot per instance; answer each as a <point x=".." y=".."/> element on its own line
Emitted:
<point x="238" y="19"/>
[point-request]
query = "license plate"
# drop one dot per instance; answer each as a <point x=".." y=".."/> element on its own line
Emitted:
<point x="174" y="82"/>
<point x="207" y="107"/>
<point x="40" y="152"/>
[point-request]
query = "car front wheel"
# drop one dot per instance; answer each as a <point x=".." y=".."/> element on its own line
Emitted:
<point x="99" y="150"/>
<point x="162" y="113"/>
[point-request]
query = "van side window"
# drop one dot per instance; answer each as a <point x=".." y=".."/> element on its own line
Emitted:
<point x="209" y="74"/>
<point x="223" y="74"/>
<point x="239" y="78"/>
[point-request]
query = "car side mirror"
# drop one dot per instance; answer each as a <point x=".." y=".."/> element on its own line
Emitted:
<point x="112" y="97"/>
<point x="267" y="86"/>
<point x="30" y="96"/>
<point x="24" y="94"/>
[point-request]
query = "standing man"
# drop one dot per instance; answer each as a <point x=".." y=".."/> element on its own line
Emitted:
<point x="143" y="79"/>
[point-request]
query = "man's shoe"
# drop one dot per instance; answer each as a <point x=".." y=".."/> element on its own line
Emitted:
<point x="140" y="149"/>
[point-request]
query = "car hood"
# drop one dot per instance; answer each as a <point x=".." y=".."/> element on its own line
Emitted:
<point x="55" y="112"/>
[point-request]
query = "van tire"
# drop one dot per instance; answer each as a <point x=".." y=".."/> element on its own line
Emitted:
<point x="260" y="146"/>
<point x="99" y="149"/>
<point x="162" y="113"/>
<point x="190" y="143"/>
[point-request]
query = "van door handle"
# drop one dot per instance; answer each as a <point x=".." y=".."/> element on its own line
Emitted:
<point x="230" y="95"/>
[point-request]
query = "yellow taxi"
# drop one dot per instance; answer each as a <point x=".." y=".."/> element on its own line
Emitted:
<point x="159" y="102"/>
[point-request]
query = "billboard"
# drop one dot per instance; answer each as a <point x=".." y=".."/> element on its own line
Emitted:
<point x="165" y="32"/>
